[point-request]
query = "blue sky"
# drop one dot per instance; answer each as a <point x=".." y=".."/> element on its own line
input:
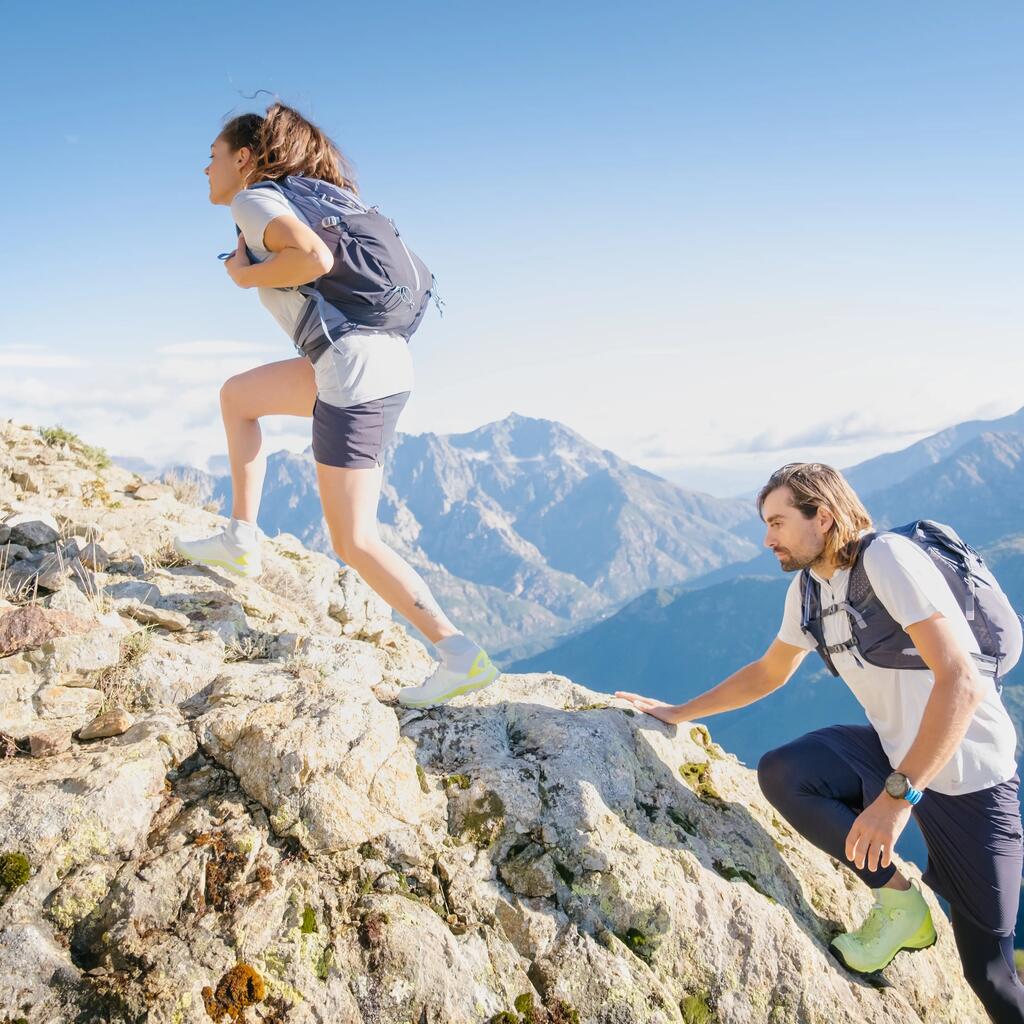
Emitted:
<point x="709" y="236"/>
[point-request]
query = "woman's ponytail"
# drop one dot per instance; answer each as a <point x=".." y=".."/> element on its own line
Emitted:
<point x="283" y="142"/>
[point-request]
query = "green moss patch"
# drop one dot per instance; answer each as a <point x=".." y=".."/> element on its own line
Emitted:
<point x="697" y="1010"/>
<point x="638" y="942"/>
<point x="14" y="869"/>
<point x="697" y="775"/>
<point x="684" y="821"/>
<point x="732" y="873"/>
<point x="482" y="823"/>
<point x="308" y="926"/>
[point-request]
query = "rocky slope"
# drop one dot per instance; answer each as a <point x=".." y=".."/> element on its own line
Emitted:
<point x="212" y="809"/>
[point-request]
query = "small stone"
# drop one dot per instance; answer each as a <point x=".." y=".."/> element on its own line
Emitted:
<point x="21" y="580"/>
<point x="5" y="534"/>
<point x="53" y="572"/>
<point x="94" y="557"/>
<point x="10" y="553"/>
<point x="27" y="481"/>
<point x="80" y="600"/>
<point x="48" y="742"/>
<point x="33" y="529"/>
<point x="150" y="616"/>
<point x="111" y="723"/>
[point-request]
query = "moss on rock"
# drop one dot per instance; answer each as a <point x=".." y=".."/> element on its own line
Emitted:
<point x="14" y="869"/>
<point x="696" y="1009"/>
<point x="697" y="775"/>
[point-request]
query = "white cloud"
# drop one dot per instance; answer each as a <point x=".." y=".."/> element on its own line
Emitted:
<point x="166" y="410"/>
<point x="217" y="347"/>
<point x="24" y="355"/>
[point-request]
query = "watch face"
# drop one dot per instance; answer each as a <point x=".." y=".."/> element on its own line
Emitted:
<point x="897" y="785"/>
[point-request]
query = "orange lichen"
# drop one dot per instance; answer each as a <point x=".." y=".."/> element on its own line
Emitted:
<point x="241" y="987"/>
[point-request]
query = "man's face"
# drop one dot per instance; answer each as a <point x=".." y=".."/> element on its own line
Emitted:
<point x="796" y="541"/>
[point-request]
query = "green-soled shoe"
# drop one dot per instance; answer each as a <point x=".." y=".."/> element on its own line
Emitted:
<point x="897" y="921"/>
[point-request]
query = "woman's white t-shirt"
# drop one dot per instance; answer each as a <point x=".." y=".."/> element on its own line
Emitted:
<point x="356" y="368"/>
<point x="912" y="589"/>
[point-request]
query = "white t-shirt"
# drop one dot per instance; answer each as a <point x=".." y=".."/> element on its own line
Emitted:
<point x="356" y="368"/>
<point x="912" y="589"/>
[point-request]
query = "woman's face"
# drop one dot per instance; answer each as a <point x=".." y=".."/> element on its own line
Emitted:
<point x="225" y="171"/>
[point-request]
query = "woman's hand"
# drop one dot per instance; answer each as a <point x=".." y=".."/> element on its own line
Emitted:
<point x="670" y="713"/>
<point x="238" y="264"/>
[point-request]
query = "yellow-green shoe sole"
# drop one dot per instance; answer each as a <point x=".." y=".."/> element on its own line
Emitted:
<point x="458" y="691"/>
<point x="218" y="563"/>
<point x="924" y="938"/>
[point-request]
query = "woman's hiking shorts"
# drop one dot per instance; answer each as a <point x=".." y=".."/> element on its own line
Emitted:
<point x="354" y="437"/>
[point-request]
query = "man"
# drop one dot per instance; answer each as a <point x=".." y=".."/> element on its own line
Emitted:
<point x="939" y="745"/>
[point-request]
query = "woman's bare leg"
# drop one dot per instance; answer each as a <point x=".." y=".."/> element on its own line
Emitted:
<point x="349" y="498"/>
<point x="285" y="388"/>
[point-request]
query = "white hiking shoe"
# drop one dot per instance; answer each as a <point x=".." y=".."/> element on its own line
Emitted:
<point x="464" y="667"/>
<point x="236" y="548"/>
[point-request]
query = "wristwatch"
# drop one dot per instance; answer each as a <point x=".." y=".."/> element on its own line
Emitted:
<point x="898" y="786"/>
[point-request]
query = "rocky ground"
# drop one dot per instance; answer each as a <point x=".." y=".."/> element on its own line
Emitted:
<point x="211" y="808"/>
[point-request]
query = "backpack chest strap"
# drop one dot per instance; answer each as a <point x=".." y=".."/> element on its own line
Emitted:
<point x="845" y="606"/>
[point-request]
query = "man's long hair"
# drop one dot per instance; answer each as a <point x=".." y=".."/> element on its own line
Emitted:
<point x="813" y="486"/>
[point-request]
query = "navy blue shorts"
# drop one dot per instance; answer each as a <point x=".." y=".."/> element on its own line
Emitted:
<point x="355" y="437"/>
<point x="975" y="841"/>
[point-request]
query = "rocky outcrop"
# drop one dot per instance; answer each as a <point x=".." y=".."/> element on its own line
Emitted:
<point x="267" y="836"/>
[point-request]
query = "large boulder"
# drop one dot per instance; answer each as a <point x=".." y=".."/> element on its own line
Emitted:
<point x="318" y="751"/>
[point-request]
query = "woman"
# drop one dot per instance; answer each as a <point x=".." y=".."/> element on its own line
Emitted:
<point x="354" y="391"/>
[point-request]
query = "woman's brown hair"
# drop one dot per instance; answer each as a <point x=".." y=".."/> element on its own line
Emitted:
<point x="814" y="486"/>
<point x="284" y="142"/>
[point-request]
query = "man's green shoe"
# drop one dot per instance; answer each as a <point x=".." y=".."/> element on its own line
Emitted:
<point x="898" y="920"/>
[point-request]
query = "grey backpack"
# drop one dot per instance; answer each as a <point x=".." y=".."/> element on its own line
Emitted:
<point x="879" y="640"/>
<point x="377" y="283"/>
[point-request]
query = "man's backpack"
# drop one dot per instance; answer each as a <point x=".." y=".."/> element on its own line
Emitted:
<point x="376" y="283"/>
<point x="876" y="638"/>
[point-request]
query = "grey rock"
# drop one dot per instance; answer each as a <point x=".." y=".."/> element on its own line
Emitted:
<point x="151" y="616"/>
<point x="138" y="590"/>
<point x="95" y="557"/>
<point x="10" y="553"/>
<point x="32" y="530"/>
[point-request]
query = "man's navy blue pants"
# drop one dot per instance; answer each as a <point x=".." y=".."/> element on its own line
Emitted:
<point x="821" y="782"/>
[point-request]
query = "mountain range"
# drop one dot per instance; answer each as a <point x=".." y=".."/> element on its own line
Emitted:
<point x="522" y="528"/>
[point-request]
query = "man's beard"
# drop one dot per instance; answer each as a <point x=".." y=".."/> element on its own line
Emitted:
<point x="790" y="564"/>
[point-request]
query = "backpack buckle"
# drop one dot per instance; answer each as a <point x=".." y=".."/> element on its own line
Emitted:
<point x="330" y="222"/>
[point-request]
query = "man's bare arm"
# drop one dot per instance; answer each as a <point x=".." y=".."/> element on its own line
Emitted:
<point x="749" y="684"/>
<point x="957" y="691"/>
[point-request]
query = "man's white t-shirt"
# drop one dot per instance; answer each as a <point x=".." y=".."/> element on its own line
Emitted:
<point x="356" y="368"/>
<point x="912" y="589"/>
